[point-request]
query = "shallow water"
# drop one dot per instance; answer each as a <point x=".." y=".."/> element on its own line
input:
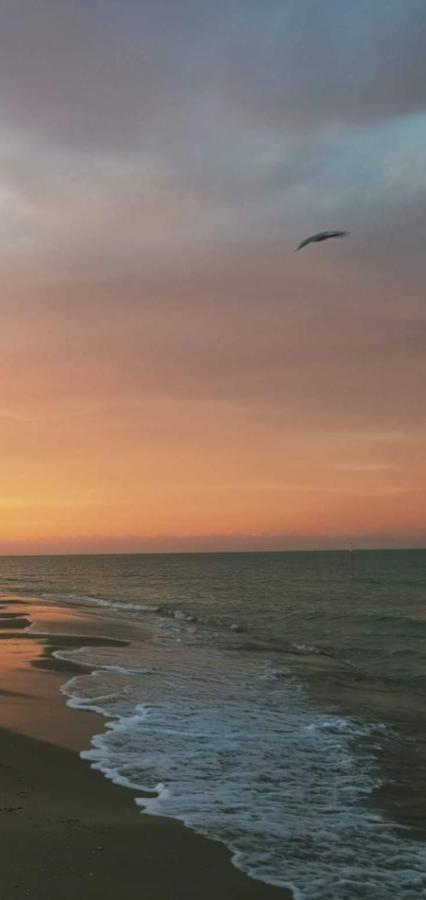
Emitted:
<point x="260" y="701"/>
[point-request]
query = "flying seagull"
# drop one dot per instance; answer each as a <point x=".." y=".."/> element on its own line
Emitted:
<point x="321" y="236"/>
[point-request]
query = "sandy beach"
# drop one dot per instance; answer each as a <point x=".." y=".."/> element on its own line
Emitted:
<point x="65" y="831"/>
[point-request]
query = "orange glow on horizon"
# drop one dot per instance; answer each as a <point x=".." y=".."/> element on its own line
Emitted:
<point x="164" y="476"/>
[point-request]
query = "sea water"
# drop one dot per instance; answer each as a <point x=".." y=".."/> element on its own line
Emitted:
<point x="260" y="700"/>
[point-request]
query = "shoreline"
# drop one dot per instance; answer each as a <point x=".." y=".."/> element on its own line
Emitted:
<point x="65" y="829"/>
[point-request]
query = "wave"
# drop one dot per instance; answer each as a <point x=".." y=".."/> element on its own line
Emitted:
<point x="237" y="753"/>
<point x="122" y="604"/>
<point x="88" y="600"/>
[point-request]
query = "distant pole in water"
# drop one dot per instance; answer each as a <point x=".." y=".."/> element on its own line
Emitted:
<point x="351" y="560"/>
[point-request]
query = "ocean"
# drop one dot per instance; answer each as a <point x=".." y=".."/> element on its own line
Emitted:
<point x="272" y="701"/>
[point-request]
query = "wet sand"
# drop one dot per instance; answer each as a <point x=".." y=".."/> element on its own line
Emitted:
<point x="65" y="831"/>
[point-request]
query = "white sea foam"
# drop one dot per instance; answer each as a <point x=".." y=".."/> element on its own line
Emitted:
<point x="237" y="753"/>
<point x="121" y="604"/>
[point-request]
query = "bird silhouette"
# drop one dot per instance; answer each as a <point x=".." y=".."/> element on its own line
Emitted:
<point x="321" y="236"/>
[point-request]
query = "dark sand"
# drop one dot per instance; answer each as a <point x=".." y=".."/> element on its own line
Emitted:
<point x="65" y="831"/>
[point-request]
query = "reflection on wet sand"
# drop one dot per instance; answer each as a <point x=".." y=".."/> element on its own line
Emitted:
<point x="26" y="693"/>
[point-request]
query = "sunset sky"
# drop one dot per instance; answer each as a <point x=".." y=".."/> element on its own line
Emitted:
<point x="173" y="375"/>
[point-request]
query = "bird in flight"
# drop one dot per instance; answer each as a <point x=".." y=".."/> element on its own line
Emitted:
<point x="321" y="236"/>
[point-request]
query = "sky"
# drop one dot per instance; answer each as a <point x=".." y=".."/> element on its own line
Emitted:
<point x="173" y="376"/>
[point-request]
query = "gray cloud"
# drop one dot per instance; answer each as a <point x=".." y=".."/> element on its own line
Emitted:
<point x="308" y="64"/>
<point x="159" y="162"/>
<point x="96" y="73"/>
<point x="123" y="73"/>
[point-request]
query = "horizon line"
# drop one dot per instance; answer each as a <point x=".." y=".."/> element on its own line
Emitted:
<point x="379" y="549"/>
